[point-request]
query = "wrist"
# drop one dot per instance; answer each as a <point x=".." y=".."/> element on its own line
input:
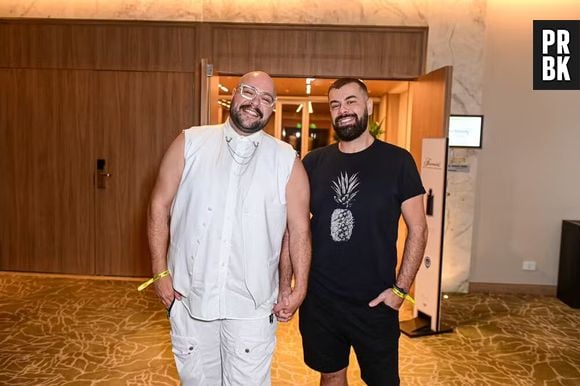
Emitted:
<point x="399" y="292"/>
<point x="401" y="288"/>
<point x="285" y="284"/>
<point x="156" y="277"/>
<point x="299" y="291"/>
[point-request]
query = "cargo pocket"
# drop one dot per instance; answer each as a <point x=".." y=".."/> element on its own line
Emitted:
<point x="252" y="362"/>
<point x="187" y="360"/>
<point x="250" y="348"/>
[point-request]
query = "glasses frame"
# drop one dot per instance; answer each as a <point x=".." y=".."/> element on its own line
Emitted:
<point x="259" y="94"/>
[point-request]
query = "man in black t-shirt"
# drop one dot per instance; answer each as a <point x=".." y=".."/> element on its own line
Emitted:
<point x="360" y="186"/>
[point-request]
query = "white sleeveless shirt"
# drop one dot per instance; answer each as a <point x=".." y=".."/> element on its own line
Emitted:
<point x="227" y="222"/>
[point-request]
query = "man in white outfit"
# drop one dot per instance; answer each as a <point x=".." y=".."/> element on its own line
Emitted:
<point x="224" y="197"/>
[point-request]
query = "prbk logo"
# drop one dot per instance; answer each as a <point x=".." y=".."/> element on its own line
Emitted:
<point x="556" y="54"/>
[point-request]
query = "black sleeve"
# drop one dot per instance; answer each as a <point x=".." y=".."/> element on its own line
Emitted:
<point x="308" y="162"/>
<point x="410" y="184"/>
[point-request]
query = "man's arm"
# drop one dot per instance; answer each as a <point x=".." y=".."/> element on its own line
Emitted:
<point x="414" y="216"/>
<point x="296" y="246"/>
<point x="285" y="279"/>
<point x="162" y="196"/>
<point x="285" y="266"/>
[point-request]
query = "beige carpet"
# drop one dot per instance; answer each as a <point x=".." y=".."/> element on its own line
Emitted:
<point x="82" y="331"/>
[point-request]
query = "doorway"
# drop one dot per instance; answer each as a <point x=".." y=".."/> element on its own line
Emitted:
<point x="301" y="115"/>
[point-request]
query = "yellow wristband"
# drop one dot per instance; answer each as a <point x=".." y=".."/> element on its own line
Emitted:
<point x="153" y="280"/>
<point x="402" y="295"/>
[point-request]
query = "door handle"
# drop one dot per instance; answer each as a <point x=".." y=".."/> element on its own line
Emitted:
<point x="102" y="174"/>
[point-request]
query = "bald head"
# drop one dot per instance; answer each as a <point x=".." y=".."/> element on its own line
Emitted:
<point x="259" y="80"/>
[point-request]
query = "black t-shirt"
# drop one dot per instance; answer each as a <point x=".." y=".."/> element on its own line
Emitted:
<point x="356" y="205"/>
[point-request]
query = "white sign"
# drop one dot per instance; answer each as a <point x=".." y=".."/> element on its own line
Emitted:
<point x="465" y="130"/>
<point x="428" y="281"/>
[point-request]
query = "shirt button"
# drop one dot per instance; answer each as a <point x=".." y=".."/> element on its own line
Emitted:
<point x="209" y="209"/>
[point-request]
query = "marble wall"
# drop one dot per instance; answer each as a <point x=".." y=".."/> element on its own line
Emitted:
<point x="456" y="37"/>
<point x="460" y="202"/>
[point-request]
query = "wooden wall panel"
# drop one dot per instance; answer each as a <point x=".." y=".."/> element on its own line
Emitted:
<point x="61" y="109"/>
<point x="46" y="200"/>
<point x="149" y="47"/>
<point x="140" y="115"/>
<point x="367" y="52"/>
<point x="103" y="46"/>
<point x="43" y="45"/>
<point x="74" y="91"/>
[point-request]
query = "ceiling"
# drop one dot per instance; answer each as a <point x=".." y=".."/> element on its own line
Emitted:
<point x="297" y="86"/>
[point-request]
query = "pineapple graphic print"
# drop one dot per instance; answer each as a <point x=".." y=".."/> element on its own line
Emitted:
<point x="342" y="220"/>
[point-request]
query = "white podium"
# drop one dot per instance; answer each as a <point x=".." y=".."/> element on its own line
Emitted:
<point x="427" y="311"/>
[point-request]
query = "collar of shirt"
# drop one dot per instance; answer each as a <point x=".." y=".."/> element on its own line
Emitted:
<point x="229" y="132"/>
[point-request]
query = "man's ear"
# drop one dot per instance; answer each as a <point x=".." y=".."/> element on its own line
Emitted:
<point x="370" y="106"/>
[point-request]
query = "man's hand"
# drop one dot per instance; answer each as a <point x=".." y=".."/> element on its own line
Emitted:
<point x="389" y="298"/>
<point x="288" y="302"/>
<point x="165" y="292"/>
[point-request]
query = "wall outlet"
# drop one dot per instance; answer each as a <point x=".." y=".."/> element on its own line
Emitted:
<point x="529" y="265"/>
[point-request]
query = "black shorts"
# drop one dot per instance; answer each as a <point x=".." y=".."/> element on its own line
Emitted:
<point x="329" y="327"/>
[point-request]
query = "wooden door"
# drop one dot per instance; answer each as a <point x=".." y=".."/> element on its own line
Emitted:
<point x="430" y="104"/>
<point x="140" y="115"/>
<point x="46" y="194"/>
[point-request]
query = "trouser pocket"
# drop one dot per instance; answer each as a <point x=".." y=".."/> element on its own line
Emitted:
<point x="187" y="360"/>
<point x="247" y="352"/>
<point x="170" y="307"/>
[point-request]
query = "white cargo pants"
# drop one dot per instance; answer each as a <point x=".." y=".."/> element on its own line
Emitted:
<point x="222" y="352"/>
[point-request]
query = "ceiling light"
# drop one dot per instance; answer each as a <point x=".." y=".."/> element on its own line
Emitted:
<point x="224" y="103"/>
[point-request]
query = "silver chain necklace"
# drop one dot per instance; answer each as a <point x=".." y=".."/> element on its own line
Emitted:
<point x="245" y="159"/>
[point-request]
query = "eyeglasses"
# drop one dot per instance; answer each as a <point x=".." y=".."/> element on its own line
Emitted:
<point x="249" y="92"/>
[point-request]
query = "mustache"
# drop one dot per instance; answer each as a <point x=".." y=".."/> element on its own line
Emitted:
<point x="344" y="116"/>
<point x="250" y="107"/>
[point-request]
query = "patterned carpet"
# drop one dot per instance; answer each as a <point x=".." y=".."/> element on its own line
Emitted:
<point x="85" y="331"/>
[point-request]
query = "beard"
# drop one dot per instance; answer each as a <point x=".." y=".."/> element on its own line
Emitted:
<point x="248" y="128"/>
<point x="351" y="131"/>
